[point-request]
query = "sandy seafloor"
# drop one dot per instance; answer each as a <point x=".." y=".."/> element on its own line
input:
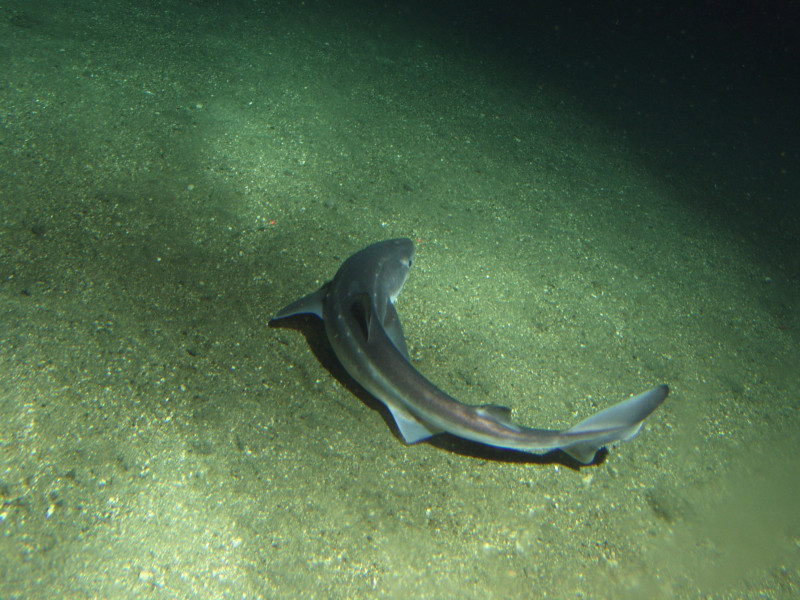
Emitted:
<point x="589" y="223"/>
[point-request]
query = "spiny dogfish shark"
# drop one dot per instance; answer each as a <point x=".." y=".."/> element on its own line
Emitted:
<point x="363" y="327"/>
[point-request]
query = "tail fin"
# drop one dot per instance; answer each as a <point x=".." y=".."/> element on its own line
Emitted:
<point x="619" y="422"/>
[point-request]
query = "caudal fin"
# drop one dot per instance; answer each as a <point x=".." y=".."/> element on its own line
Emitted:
<point x="621" y="421"/>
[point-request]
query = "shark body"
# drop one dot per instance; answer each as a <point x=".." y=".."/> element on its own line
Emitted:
<point x="364" y="330"/>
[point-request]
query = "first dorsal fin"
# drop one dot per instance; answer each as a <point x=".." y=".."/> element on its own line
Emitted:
<point x="362" y="313"/>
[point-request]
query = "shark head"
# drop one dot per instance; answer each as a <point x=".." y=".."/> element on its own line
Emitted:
<point x="397" y="256"/>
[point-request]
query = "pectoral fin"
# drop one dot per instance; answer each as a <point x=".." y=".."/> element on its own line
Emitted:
<point x="412" y="429"/>
<point x="311" y="304"/>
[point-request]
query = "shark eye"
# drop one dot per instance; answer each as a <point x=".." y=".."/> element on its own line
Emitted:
<point x="410" y="261"/>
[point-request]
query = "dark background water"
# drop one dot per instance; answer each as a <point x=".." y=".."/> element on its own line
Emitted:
<point x="703" y="90"/>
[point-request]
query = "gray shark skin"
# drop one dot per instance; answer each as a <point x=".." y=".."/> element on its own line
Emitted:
<point x="363" y="327"/>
